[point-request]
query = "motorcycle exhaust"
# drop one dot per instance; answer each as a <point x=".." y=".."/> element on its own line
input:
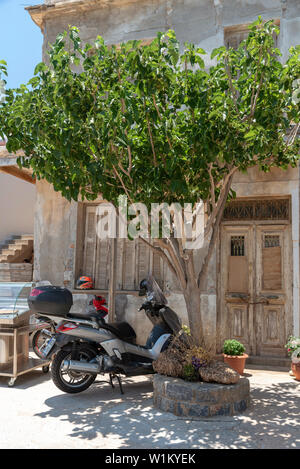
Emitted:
<point x="104" y="365"/>
<point x="74" y="365"/>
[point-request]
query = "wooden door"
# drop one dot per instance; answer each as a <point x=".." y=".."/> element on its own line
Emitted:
<point x="236" y="318"/>
<point x="255" y="277"/>
<point x="273" y="288"/>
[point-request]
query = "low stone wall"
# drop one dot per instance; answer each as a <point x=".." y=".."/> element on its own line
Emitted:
<point x="13" y="272"/>
<point x="196" y="400"/>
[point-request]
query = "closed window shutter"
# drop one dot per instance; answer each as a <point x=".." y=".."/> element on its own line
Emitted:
<point x="129" y="270"/>
<point x="102" y="267"/>
<point x="157" y="269"/>
<point x="89" y="252"/>
<point x="143" y="261"/>
<point x="134" y="259"/>
<point x="272" y="275"/>
<point x="233" y="36"/>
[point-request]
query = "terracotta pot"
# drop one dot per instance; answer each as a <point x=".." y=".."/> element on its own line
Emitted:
<point x="296" y="370"/>
<point x="237" y="362"/>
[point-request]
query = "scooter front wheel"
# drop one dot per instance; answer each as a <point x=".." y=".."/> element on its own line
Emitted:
<point x="72" y="381"/>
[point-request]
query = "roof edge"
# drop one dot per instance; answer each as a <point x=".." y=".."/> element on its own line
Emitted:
<point x="39" y="13"/>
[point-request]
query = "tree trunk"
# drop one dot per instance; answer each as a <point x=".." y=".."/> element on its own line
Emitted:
<point x="192" y="300"/>
<point x="195" y="284"/>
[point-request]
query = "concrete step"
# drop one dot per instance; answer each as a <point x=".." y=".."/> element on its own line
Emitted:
<point x="24" y="237"/>
<point x="16" y="249"/>
<point x="264" y="361"/>
<point x="250" y="368"/>
<point x="281" y="362"/>
<point x="16" y="239"/>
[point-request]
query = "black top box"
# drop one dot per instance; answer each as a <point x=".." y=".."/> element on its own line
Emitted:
<point x="51" y="300"/>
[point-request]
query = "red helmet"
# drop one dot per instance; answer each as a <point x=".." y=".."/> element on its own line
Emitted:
<point x="84" y="283"/>
<point x="99" y="303"/>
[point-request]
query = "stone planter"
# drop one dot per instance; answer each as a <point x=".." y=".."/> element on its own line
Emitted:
<point x="198" y="400"/>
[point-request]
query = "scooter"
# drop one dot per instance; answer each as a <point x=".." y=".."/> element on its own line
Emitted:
<point x="44" y="330"/>
<point x="86" y="345"/>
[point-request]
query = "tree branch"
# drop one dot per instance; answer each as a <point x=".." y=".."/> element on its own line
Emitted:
<point x="162" y="254"/>
<point x="212" y="186"/>
<point x="227" y="68"/>
<point x="293" y="134"/>
<point x="151" y="140"/>
<point x="175" y="259"/>
<point x="122" y="183"/>
<point x="223" y="194"/>
<point x="160" y="118"/>
<point x="212" y="242"/>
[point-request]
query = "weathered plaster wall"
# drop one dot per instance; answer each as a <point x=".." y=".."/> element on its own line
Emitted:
<point x="198" y="21"/>
<point x="17" y="200"/>
<point x="54" y="235"/>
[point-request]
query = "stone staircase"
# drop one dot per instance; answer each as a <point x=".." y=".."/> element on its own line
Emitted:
<point x="17" y="249"/>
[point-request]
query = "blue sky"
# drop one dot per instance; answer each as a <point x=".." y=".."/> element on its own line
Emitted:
<point x="20" y="40"/>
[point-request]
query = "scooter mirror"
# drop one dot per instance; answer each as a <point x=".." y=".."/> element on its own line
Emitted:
<point x="143" y="288"/>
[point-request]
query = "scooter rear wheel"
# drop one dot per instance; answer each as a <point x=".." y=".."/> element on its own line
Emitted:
<point x="72" y="381"/>
<point x="38" y="339"/>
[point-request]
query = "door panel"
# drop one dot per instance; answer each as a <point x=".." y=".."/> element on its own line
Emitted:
<point x="238" y="315"/>
<point x="237" y="284"/>
<point x="256" y="287"/>
<point x="273" y="289"/>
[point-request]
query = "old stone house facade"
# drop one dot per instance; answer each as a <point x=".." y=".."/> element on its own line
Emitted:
<point x="252" y="289"/>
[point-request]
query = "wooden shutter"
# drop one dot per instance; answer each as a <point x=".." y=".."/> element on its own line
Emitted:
<point x="271" y="263"/>
<point x="237" y="266"/>
<point x="143" y="261"/>
<point x="89" y="252"/>
<point x="96" y="253"/>
<point x="134" y="259"/>
<point x="102" y="267"/>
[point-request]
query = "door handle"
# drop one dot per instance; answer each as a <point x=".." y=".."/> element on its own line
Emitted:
<point x="263" y="300"/>
<point x="243" y="296"/>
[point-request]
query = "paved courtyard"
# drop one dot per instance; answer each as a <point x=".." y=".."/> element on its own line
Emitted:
<point x="37" y="415"/>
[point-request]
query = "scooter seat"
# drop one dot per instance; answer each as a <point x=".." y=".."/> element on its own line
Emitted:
<point x="122" y="330"/>
<point x="87" y="314"/>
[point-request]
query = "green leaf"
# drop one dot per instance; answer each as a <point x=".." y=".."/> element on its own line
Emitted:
<point x="219" y="51"/>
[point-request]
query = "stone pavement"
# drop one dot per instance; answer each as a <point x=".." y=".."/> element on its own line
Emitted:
<point x="35" y="414"/>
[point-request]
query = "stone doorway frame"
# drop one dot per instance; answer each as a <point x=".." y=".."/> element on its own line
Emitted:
<point x="294" y="242"/>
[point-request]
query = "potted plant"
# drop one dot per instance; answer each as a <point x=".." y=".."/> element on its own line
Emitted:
<point x="234" y="355"/>
<point x="292" y="345"/>
<point x="296" y="363"/>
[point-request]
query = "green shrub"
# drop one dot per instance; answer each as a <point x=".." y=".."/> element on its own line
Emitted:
<point x="189" y="373"/>
<point x="233" y="347"/>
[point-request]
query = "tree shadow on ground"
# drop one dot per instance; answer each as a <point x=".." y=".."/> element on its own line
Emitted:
<point x="105" y="418"/>
<point x="273" y="416"/>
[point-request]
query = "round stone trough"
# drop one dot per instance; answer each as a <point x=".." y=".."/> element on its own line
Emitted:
<point x="200" y="399"/>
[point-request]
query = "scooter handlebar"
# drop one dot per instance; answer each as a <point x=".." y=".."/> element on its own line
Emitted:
<point x="145" y="305"/>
